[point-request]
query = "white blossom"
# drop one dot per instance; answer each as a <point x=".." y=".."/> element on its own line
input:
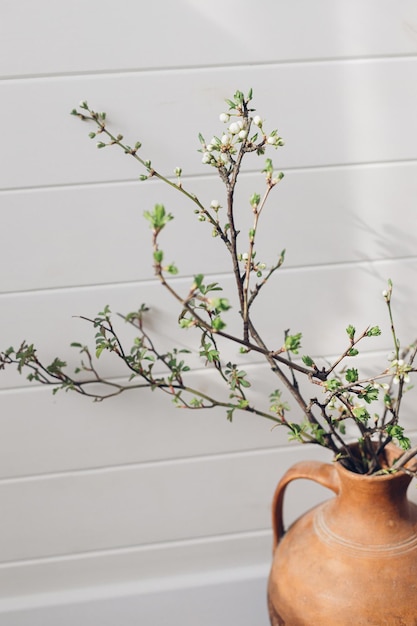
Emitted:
<point x="257" y="121"/>
<point x="224" y="117"/>
<point x="234" y="128"/>
<point x="397" y="363"/>
<point x="215" y="204"/>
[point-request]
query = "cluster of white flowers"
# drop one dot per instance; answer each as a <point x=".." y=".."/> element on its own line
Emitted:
<point x="258" y="267"/>
<point x="218" y="151"/>
<point x="401" y="370"/>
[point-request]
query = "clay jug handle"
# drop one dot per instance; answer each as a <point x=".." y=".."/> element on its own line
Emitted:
<point x="323" y="473"/>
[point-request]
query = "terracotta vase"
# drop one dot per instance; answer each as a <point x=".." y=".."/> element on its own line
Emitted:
<point x="352" y="560"/>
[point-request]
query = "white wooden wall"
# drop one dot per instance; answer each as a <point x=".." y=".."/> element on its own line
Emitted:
<point x="130" y="511"/>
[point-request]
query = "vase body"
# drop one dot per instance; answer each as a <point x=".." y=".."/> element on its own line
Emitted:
<point x="350" y="560"/>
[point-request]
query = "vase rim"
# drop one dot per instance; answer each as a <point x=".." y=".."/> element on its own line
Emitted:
<point x="393" y="452"/>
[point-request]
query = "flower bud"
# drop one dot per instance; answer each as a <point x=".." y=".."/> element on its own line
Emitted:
<point x="258" y="121"/>
<point x="224" y="117"/>
<point x="234" y="128"/>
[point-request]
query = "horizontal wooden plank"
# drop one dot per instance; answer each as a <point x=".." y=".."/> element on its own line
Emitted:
<point x="149" y="568"/>
<point x="79" y="34"/>
<point x="96" y="234"/>
<point x="328" y="113"/>
<point x="118" y="508"/>
<point x="323" y="302"/>
<point x="227" y="597"/>
<point x="48" y="434"/>
<point x="122" y="508"/>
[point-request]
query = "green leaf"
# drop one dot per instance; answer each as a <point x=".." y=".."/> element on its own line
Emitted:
<point x="332" y="384"/>
<point x="185" y="322"/>
<point x="369" y="394"/>
<point x="351" y="330"/>
<point x="351" y="375"/>
<point x="198" y="281"/>
<point x="278" y="406"/>
<point x="229" y="414"/>
<point x="397" y="432"/>
<point x="100" y="349"/>
<point x="269" y="168"/>
<point x="255" y="199"/>
<point x="172" y="269"/>
<point x="209" y="352"/>
<point x="307" y="360"/>
<point x="158" y="218"/>
<point x="293" y="343"/>
<point x="238" y="97"/>
<point x="56" y="366"/>
<point x="219" y="305"/>
<point x="353" y="352"/>
<point x="296" y="432"/>
<point x="217" y="323"/>
<point x="374" y="331"/>
<point x="361" y="414"/>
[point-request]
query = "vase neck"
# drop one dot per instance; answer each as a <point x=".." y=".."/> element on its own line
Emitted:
<point x="370" y="506"/>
